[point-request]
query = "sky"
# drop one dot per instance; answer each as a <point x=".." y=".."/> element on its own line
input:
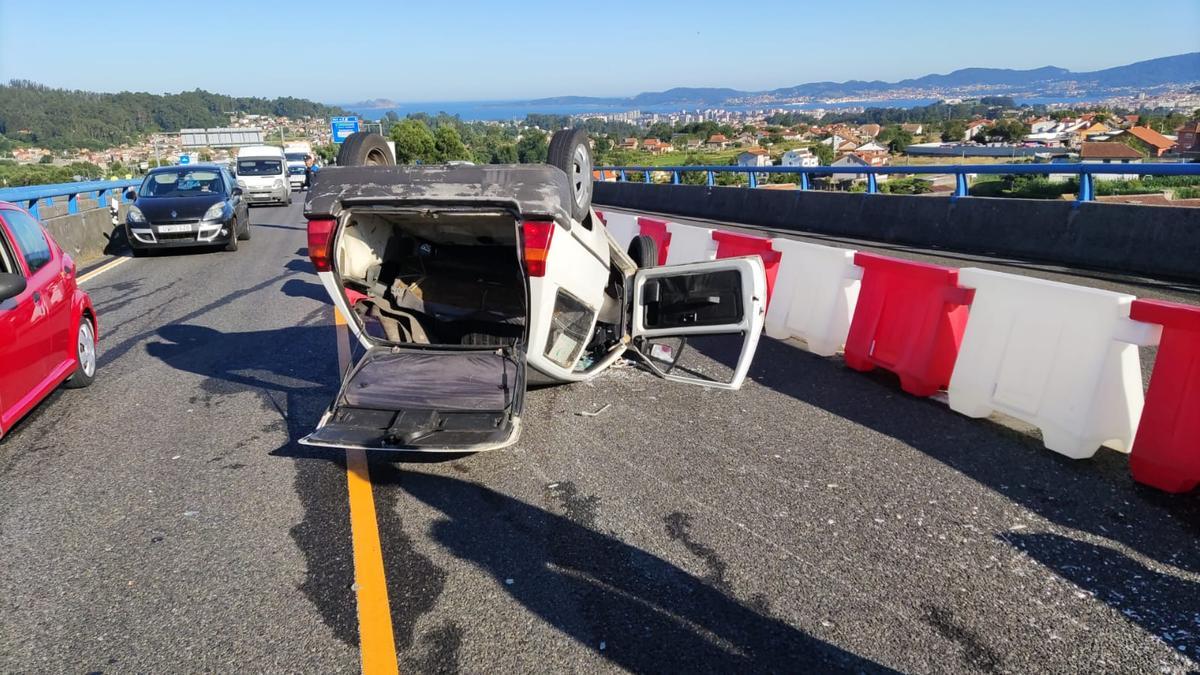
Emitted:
<point x="464" y="50"/>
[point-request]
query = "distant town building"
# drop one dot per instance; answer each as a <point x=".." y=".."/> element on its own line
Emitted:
<point x="914" y="129"/>
<point x="799" y="157"/>
<point x="871" y="149"/>
<point x="655" y="146"/>
<point x="718" y="141"/>
<point x="1150" y="141"/>
<point x="629" y="144"/>
<point x="754" y="157"/>
<point x="1092" y="152"/>
<point x="869" y="130"/>
<point x="975" y="127"/>
<point x="1188" y="137"/>
<point x="1109" y="153"/>
<point x="855" y="162"/>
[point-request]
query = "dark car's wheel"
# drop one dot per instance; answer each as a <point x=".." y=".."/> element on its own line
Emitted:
<point x="233" y="236"/>
<point x="569" y="150"/>
<point x="644" y="251"/>
<point x="365" y="148"/>
<point x="244" y="235"/>
<point x="85" y="347"/>
<point x="138" y="252"/>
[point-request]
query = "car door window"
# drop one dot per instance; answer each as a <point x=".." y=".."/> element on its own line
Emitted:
<point x="31" y="241"/>
<point x="8" y="264"/>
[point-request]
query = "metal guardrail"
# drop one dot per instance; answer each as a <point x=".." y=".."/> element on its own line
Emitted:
<point x="33" y="195"/>
<point x="1085" y="171"/>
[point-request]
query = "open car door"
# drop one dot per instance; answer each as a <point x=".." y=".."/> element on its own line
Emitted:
<point x="427" y="399"/>
<point x="721" y="297"/>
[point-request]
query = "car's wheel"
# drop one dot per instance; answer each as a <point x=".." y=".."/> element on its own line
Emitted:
<point x="365" y="149"/>
<point x="85" y="348"/>
<point x="233" y="237"/>
<point x="569" y="151"/>
<point x="244" y="235"/>
<point x="644" y="251"/>
<point x="138" y="252"/>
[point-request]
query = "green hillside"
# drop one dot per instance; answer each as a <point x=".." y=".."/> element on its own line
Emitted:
<point x="60" y="118"/>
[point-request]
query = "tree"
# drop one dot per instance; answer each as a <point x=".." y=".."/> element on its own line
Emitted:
<point x="660" y="130"/>
<point x="895" y="138"/>
<point x="45" y="159"/>
<point x="505" y="153"/>
<point x="448" y="144"/>
<point x="953" y="131"/>
<point x="414" y="142"/>
<point x="531" y="149"/>
<point x="824" y="154"/>
<point x="603" y="144"/>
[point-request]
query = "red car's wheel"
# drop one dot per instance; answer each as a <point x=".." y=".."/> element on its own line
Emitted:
<point x="85" y="348"/>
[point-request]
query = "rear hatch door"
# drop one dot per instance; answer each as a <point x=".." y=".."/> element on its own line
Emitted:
<point x="427" y="399"/>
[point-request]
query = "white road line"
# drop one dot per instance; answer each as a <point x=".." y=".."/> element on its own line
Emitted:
<point x="101" y="270"/>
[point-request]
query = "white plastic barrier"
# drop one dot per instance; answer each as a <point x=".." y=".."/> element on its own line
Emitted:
<point x="816" y="290"/>
<point x="1060" y="357"/>
<point x="623" y="227"/>
<point x="690" y="244"/>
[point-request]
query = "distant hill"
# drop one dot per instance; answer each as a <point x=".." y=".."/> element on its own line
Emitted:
<point x="61" y="118"/>
<point x="1179" y="69"/>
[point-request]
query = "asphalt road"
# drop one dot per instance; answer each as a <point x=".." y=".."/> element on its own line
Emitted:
<point x="166" y="520"/>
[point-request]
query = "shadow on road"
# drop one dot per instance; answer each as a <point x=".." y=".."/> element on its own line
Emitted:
<point x="294" y="372"/>
<point x="1164" y="605"/>
<point x="634" y="609"/>
<point x="1095" y="495"/>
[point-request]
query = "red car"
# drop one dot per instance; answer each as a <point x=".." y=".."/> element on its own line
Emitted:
<point x="47" y="324"/>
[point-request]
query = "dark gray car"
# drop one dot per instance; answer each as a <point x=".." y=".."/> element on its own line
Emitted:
<point x="187" y="206"/>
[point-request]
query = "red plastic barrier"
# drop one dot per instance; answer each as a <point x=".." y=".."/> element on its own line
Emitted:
<point x="603" y="219"/>
<point x="656" y="230"/>
<point x="909" y="319"/>
<point x="1166" y="449"/>
<point x="735" y="244"/>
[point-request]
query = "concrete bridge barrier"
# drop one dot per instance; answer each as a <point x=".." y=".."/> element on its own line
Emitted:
<point x="1160" y="241"/>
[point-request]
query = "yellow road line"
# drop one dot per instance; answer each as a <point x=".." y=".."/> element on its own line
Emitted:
<point x="101" y="270"/>
<point x="375" y="639"/>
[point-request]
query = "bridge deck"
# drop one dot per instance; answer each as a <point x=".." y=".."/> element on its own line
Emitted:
<point x="166" y="515"/>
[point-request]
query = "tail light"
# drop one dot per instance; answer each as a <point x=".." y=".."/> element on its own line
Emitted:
<point x="536" y="235"/>
<point x="320" y="238"/>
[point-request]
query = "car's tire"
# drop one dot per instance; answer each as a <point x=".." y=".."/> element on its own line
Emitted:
<point x="569" y="151"/>
<point x="233" y="238"/>
<point x="365" y="148"/>
<point x="245" y="234"/>
<point x="644" y="251"/>
<point x="138" y="252"/>
<point x="85" y="349"/>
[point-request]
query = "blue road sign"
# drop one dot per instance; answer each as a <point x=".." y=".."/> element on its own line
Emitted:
<point x="185" y="159"/>
<point x="342" y="127"/>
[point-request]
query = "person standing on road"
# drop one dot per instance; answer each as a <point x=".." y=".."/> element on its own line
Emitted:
<point x="310" y="168"/>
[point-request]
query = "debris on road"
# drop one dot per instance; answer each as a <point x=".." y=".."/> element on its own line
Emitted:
<point x="585" y="413"/>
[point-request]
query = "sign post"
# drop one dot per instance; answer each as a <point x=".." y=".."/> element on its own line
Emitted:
<point x="341" y="127"/>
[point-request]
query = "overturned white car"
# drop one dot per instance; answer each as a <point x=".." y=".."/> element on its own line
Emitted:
<point x="466" y="283"/>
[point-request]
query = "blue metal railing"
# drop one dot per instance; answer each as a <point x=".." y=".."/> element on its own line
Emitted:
<point x="1085" y="171"/>
<point x="33" y="195"/>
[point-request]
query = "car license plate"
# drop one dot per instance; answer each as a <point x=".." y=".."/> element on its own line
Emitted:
<point x="167" y="229"/>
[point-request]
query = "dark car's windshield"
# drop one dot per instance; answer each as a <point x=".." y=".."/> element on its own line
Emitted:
<point x="296" y="156"/>
<point x="258" y="167"/>
<point x="183" y="183"/>
<point x="295" y="170"/>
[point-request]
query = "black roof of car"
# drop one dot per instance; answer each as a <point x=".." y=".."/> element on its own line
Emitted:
<point x="536" y="190"/>
<point x="184" y="167"/>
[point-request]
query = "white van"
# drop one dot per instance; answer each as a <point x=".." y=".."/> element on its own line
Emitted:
<point x="296" y="153"/>
<point x="263" y="176"/>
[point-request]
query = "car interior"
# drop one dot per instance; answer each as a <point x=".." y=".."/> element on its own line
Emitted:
<point x="443" y="278"/>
